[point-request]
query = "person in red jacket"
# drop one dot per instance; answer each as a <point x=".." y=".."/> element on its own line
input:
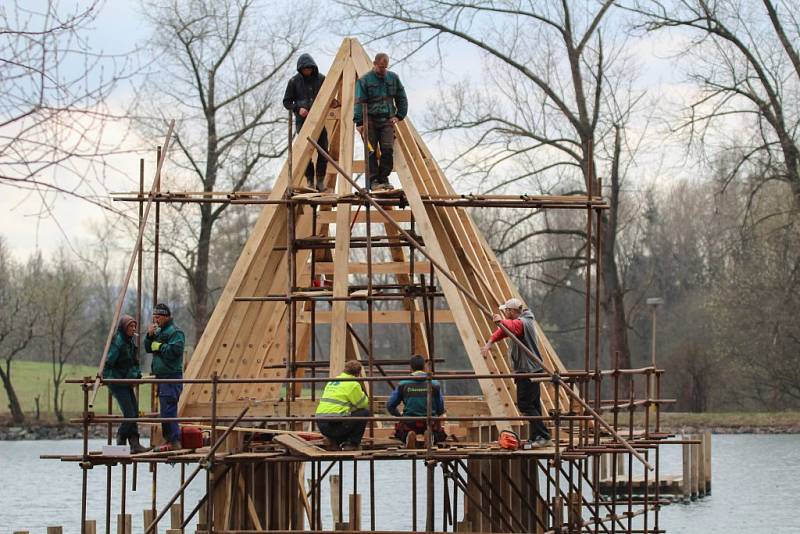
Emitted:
<point x="520" y="322"/>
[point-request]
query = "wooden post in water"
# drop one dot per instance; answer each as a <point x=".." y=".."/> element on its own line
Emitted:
<point x="55" y="530"/>
<point x="687" y="470"/>
<point x="124" y="524"/>
<point x="175" y="514"/>
<point x="701" y="466"/>
<point x="707" y="458"/>
<point x="90" y="526"/>
<point x="335" y="485"/>
<point x="354" y="511"/>
<point x="695" y="466"/>
<point x="148" y="516"/>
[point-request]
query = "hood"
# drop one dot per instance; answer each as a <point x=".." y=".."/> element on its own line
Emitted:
<point x="305" y="60"/>
<point x="124" y="321"/>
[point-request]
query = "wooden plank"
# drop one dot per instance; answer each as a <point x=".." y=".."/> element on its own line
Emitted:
<point x="299" y="446"/>
<point x="393" y="267"/>
<point x="400" y="216"/>
<point x="378" y="317"/>
<point x="335" y="483"/>
<point x="341" y="256"/>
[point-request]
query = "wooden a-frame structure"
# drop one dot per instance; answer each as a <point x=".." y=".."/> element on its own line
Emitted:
<point x="248" y="338"/>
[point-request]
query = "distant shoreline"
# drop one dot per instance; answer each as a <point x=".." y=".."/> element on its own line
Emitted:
<point x="717" y="423"/>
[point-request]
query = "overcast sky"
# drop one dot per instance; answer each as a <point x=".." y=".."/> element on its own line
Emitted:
<point x="120" y="27"/>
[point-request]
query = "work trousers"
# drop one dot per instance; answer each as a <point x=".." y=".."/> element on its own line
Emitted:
<point x="129" y="406"/>
<point x="381" y="134"/>
<point x="168" y="395"/>
<point x="344" y="431"/>
<point x="322" y="163"/>
<point x="529" y="403"/>
<point x="402" y="429"/>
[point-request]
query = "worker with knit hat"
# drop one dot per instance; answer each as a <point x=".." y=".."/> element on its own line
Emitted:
<point x="165" y="342"/>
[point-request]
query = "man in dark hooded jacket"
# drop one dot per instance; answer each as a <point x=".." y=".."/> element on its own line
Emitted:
<point x="301" y="91"/>
<point x="520" y="322"/>
<point x="123" y="362"/>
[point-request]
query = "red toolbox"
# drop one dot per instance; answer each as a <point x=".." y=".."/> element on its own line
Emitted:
<point x="191" y="437"/>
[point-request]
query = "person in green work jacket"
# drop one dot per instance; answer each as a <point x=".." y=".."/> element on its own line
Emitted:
<point x="123" y="362"/>
<point x="165" y="342"/>
<point x="344" y="398"/>
<point x="385" y="97"/>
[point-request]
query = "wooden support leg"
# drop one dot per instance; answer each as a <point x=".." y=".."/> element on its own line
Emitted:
<point x="124" y="524"/>
<point x="354" y="511"/>
<point x="148" y="516"/>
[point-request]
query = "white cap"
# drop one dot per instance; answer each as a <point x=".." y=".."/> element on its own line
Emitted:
<point x="512" y="304"/>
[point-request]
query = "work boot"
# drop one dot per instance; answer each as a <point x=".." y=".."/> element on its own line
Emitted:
<point x="350" y="446"/>
<point x="136" y="447"/>
<point x="321" y="184"/>
<point x="541" y="443"/>
<point x="411" y="440"/>
<point x="310" y="183"/>
<point x="121" y="440"/>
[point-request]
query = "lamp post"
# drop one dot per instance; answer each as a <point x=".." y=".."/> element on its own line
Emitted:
<point x="654" y="303"/>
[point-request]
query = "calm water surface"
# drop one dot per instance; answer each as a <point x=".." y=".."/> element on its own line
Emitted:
<point x="756" y="489"/>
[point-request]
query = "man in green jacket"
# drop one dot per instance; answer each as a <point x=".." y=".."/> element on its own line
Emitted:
<point x="123" y="362"/>
<point x="385" y="98"/>
<point x="344" y="398"/>
<point x="165" y="342"/>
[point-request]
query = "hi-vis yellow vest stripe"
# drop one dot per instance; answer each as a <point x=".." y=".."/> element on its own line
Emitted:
<point x="341" y="398"/>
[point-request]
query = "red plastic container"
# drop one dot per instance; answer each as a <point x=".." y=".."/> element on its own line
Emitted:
<point x="191" y="437"/>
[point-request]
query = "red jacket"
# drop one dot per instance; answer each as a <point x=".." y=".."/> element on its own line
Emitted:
<point x="513" y="325"/>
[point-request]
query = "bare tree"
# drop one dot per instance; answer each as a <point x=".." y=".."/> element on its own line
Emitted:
<point x="64" y="318"/>
<point x="18" y="317"/>
<point x="53" y="93"/>
<point x="744" y="56"/>
<point x="556" y="106"/>
<point x="223" y="66"/>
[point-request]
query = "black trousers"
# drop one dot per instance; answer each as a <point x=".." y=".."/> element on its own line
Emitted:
<point x="322" y="163"/>
<point x="344" y="431"/>
<point x="529" y="403"/>
<point x="129" y="405"/>
<point x="381" y="133"/>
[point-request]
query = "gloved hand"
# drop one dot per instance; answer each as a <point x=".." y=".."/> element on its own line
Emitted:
<point x="155" y="346"/>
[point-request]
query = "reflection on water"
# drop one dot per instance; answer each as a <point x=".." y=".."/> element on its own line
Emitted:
<point x="754" y="489"/>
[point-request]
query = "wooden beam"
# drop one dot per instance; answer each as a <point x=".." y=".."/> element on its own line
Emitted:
<point x="378" y="317"/>
<point x="394" y="267"/>
<point x="329" y="217"/>
<point x="341" y="255"/>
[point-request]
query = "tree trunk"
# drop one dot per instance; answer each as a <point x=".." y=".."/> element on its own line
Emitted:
<point x="17" y="414"/>
<point x="58" y="408"/>
<point x="200" y="279"/>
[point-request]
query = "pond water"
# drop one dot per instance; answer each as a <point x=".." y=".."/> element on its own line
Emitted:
<point x="755" y="489"/>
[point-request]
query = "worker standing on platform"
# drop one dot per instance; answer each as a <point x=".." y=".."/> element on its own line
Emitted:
<point x="122" y="362"/>
<point x="165" y="341"/>
<point x="520" y="322"/>
<point x="344" y="398"/>
<point x="301" y="91"/>
<point x="383" y="93"/>
<point x="414" y="396"/>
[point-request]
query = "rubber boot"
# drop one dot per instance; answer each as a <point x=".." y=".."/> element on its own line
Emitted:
<point x="136" y="447"/>
<point x="121" y="440"/>
<point x="321" y="184"/>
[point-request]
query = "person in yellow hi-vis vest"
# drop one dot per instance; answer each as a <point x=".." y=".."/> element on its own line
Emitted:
<point x="344" y="398"/>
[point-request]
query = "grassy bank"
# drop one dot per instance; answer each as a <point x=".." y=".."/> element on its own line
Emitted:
<point x="788" y="421"/>
<point x="36" y="378"/>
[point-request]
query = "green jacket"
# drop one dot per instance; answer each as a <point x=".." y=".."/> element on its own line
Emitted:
<point x="342" y="398"/>
<point x="385" y="97"/>
<point x="167" y="350"/>
<point x="121" y="361"/>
